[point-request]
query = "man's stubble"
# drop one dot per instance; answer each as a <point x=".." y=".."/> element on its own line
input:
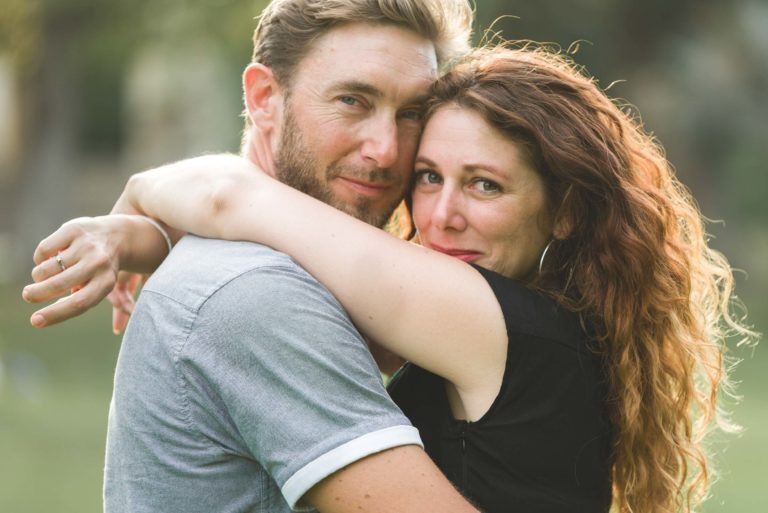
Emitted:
<point x="296" y="165"/>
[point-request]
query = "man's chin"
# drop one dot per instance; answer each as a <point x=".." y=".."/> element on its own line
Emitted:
<point x="374" y="209"/>
<point x="364" y="210"/>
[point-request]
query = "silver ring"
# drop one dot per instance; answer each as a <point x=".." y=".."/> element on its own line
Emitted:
<point x="60" y="262"/>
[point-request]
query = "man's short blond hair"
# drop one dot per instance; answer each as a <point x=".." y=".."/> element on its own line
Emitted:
<point x="287" y="28"/>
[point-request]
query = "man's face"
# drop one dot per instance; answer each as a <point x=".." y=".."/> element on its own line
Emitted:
<point x="352" y="118"/>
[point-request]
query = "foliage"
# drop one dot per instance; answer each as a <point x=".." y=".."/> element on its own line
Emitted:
<point x="697" y="70"/>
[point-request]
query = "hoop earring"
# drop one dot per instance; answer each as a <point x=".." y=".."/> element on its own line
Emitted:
<point x="544" y="253"/>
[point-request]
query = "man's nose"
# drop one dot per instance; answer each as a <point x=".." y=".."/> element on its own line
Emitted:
<point x="381" y="145"/>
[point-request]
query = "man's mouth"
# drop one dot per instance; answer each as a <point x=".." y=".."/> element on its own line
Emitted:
<point x="365" y="188"/>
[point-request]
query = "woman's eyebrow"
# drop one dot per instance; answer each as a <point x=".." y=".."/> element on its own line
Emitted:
<point x="473" y="166"/>
<point x="424" y="160"/>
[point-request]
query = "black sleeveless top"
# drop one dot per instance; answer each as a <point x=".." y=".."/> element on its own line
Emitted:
<point x="545" y="443"/>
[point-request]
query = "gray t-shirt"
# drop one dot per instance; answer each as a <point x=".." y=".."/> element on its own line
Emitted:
<point x="241" y="383"/>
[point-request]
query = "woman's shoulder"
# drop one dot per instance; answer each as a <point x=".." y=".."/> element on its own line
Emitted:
<point x="532" y="313"/>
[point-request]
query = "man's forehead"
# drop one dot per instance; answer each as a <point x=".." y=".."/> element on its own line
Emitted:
<point x="380" y="55"/>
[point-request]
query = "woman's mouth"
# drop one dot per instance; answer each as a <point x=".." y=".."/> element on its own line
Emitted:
<point x="466" y="255"/>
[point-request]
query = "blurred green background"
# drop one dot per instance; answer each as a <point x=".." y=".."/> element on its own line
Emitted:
<point x="92" y="90"/>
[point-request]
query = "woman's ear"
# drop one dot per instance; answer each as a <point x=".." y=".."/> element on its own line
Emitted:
<point x="563" y="225"/>
<point x="263" y="96"/>
<point x="562" y="228"/>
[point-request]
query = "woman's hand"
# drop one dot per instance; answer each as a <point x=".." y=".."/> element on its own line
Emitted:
<point x="85" y="255"/>
<point x="83" y="259"/>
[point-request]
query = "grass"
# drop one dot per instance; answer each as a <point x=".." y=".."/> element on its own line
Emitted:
<point x="742" y="458"/>
<point x="55" y="386"/>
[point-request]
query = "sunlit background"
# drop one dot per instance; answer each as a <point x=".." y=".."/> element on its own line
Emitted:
<point x="92" y="90"/>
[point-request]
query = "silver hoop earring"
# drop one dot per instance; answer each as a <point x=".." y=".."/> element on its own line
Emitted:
<point x="544" y="253"/>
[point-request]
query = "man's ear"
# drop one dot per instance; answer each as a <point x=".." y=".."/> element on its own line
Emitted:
<point x="263" y="96"/>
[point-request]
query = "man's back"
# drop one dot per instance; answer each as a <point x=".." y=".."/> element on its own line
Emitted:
<point x="240" y="377"/>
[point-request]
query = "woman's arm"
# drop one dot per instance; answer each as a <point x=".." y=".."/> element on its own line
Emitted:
<point x="429" y="308"/>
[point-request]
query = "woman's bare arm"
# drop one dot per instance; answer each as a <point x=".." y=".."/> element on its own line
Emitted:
<point x="429" y="308"/>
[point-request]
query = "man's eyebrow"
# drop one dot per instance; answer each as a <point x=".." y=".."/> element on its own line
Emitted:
<point x="355" y="86"/>
<point x="420" y="99"/>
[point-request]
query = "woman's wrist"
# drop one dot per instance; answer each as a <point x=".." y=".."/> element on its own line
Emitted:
<point x="140" y="246"/>
<point x="160" y="229"/>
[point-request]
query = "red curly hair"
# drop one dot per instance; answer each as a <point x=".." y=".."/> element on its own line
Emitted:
<point x="635" y="265"/>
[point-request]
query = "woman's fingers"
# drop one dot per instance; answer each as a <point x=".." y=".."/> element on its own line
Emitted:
<point x="82" y="258"/>
<point x="54" y="277"/>
<point x="59" y="240"/>
<point x="123" y="299"/>
<point x="119" y="321"/>
<point x="77" y="265"/>
<point x="72" y="305"/>
<point x="123" y="294"/>
<point x="75" y="259"/>
<point x="51" y="267"/>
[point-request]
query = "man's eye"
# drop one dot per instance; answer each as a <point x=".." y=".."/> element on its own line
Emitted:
<point x="349" y="100"/>
<point x="412" y="114"/>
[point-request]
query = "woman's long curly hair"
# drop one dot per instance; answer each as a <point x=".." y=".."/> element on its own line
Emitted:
<point x="635" y="264"/>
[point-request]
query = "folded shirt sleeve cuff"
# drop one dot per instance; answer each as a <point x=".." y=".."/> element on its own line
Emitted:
<point x="320" y="468"/>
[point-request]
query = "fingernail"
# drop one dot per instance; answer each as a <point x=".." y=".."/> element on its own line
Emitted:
<point x="25" y="295"/>
<point x="37" y="320"/>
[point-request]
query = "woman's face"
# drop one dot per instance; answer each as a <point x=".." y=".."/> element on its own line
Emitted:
<point x="476" y="196"/>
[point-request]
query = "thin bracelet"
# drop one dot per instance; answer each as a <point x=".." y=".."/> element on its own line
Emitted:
<point x="159" y="229"/>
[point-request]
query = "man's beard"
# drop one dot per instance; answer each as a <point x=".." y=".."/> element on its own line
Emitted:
<point x="295" y="165"/>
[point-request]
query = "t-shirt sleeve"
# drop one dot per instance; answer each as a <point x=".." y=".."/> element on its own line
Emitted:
<point x="275" y="359"/>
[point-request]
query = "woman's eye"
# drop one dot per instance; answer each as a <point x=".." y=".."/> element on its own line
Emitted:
<point x="427" y="177"/>
<point x="486" y="186"/>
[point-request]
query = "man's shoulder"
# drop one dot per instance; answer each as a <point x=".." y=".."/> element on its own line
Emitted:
<point x="198" y="267"/>
<point x="197" y="251"/>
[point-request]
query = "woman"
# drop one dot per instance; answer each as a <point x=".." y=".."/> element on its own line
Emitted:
<point x="576" y="363"/>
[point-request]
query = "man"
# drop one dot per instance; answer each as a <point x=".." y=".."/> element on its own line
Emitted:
<point x="241" y="384"/>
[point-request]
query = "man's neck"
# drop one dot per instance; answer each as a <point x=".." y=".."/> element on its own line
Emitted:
<point x="259" y="152"/>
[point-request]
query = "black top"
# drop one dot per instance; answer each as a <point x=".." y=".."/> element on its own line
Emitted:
<point x="544" y="445"/>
